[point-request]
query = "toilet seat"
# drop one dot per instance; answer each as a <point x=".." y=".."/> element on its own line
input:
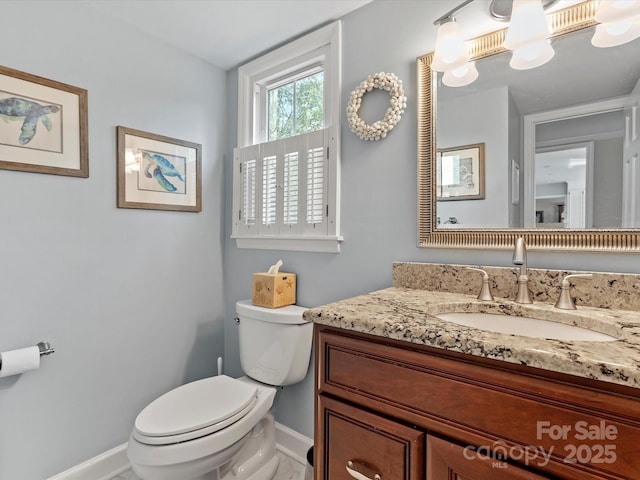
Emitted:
<point x="195" y="410"/>
<point x="148" y="456"/>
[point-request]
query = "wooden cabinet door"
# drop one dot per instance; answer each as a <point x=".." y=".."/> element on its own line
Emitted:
<point x="450" y="461"/>
<point x="358" y="445"/>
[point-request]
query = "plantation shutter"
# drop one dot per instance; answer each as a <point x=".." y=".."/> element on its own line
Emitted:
<point x="268" y="176"/>
<point x="291" y="184"/>
<point x="248" y="189"/>
<point x="316" y="168"/>
<point x="283" y="187"/>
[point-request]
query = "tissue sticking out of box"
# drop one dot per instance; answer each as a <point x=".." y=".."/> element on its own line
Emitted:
<point x="273" y="269"/>
<point x="274" y="289"/>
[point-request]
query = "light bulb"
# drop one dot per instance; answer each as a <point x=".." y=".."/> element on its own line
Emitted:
<point x="450" y="49"/>
<point x="612" y="11"/>
<point x="619" y="23"/>
<point x="528" y="24"/>
<point x="532" y="55"/>
<point x="617" y="33"/>
<point x="461" y="76"/>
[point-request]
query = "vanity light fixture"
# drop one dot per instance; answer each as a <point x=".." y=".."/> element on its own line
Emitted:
<point x="528" y="35"/>
<point x="450" y="51"/>
<point x="451" y="56"/>
<point x="619" y="22"/>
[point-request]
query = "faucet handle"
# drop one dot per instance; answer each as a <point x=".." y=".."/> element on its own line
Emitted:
<point x="485" y="291"/>
<point x="565" y="301"/>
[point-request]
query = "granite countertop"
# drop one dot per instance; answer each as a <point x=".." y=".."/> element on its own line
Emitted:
<point x="409" y="315"/>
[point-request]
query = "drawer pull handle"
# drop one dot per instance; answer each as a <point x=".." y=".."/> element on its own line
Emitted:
<point x="360" y="476"/>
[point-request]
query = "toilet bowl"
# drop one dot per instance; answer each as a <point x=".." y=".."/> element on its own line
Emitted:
<point x="174" y="438"/>
<point x="221" y="428"/>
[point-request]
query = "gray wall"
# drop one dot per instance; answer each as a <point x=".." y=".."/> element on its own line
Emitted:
<point x="607" y="191"/>
<point x="515" y="155"/>
<point x="479" y="118"/>
<point x="130" y="299"/>
<point x="378" y="193"/>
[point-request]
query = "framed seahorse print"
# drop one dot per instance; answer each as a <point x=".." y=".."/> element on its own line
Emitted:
<point x="43" y="125"/>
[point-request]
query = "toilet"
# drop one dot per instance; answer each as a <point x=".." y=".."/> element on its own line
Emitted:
<point x="221" y="428"/>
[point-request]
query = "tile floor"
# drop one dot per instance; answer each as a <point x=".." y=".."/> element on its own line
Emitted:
<point x="289" y="469"/>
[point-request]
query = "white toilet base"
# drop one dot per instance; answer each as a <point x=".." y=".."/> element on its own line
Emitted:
<point x="210" y="468"/>
<point x="265" y="472"/>
<point x="257" y="459"/>
<point x="252" y="458"/>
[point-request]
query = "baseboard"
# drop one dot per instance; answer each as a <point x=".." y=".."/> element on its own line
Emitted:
<point x="102" y="467"/>
<point x="109" y="464"/>
<point x="292" y="444"/>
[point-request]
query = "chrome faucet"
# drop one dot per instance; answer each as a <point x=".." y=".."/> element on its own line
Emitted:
<point x="565" y="301"/>
<point x="520" y="258"/>
<point x="485" y="291"/>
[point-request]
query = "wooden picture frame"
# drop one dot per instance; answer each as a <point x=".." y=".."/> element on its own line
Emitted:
<point x="460" y="173"/>
<point x="157" y="172"/>
<point x="44" y="127"/>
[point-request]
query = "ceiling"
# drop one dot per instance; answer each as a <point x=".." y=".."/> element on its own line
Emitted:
<point x="225" y="33"/>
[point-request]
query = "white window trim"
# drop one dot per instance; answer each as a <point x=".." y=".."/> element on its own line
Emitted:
<point x="324" y="43"/>
<point x="294" y="244"/>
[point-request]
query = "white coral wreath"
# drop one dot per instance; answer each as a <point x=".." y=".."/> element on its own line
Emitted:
<point x="384" y="81"/>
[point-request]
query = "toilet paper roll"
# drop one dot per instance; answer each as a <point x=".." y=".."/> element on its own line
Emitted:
<point x="19" y="361"/>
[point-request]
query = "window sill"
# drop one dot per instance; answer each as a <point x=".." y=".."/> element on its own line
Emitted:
<point x="296" y="244"/>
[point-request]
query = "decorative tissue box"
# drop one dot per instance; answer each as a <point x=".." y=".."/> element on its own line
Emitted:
<point x="274" y="290"/>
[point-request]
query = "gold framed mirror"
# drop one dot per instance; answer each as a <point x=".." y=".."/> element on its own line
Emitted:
<point x="434" y="233"/>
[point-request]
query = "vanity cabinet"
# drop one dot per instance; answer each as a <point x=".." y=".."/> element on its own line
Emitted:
<point x="366" y="445"/>
<point x="405" y="412"/>
<point x="448" y="460"/>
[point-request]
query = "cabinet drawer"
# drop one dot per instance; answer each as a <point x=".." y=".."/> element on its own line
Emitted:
<point x="356" y="444"/>
<point x="581" y="429"/>
<point x="447" y="460"/>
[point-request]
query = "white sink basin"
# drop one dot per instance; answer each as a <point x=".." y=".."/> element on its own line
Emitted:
<point x="525" y="326"/>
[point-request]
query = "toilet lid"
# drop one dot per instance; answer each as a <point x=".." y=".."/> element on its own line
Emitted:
<point x="195" y="406"/>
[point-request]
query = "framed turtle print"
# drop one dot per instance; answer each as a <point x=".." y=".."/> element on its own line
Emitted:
<point x="43" y="125"/>
<point x="157" y="172"/>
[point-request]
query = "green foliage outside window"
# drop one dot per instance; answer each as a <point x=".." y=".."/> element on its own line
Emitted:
<point x="296" y="107"/>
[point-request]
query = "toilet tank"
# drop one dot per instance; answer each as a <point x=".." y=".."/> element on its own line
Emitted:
<point x="275" y="343"/>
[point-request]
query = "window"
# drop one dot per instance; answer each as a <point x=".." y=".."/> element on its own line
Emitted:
<point x="295" y="107"/>
<point x="286" y="166"/>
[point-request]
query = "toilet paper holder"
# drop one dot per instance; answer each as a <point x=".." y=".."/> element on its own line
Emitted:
<point x="45" y="349"/>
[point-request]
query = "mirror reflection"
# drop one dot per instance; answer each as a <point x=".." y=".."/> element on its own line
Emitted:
<point x="560" y="141"/>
